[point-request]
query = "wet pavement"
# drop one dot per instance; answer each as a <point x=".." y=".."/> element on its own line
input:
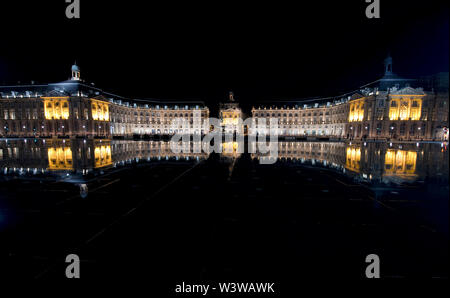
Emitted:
<point x="223" y="218"/>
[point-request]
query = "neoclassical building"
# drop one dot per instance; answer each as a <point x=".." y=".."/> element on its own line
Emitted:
<point x="389" y="108"/>
<point x="231" y="116"/>
<point x="74" y="108"/>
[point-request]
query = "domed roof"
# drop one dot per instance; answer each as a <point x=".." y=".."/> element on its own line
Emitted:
<point x="75" y="68"/>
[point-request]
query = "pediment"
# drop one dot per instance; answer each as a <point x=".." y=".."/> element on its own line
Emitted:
<point x="408" y="91"/>
<point x="55" y="93"/>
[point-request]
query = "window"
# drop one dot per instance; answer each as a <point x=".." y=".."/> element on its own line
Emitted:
<point x="379" y="128"/>
<point x="402" y="129"/>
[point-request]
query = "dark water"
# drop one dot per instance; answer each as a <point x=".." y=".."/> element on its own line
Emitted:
<point x="146" y="211"/>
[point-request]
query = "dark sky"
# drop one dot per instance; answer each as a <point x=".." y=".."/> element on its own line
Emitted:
<point x="261" y="51"/>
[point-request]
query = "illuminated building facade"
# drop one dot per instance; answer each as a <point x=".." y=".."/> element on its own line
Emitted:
<point x="231" y="116"/>
<point x="390" y="108"/>
<point x="315" y="120"/>
<point x="158" y="119"/>
<point x="74" y="108"/>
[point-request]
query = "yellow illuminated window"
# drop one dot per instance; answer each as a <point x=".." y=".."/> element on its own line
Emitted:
<point x="356" y="111"/>
<point x="405" y="109"/>
<point x="56" y="108"/>
<point x="100" y="110"/>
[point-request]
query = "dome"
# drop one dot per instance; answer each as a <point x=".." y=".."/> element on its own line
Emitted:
<point x="75" y="68"/>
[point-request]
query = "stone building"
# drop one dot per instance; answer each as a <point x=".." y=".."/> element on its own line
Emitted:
<point x="74" y="108"/>
<point x="389" y="108"/>
<point x="231" y="116"/>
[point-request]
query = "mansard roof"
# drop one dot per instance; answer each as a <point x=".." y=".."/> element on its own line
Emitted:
<point x="356" y="96"/>
<point x="81" y="88"/>
<point x="391" y="80"/>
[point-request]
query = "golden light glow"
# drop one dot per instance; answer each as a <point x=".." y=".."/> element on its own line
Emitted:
<point x="353" y="158"/>
<point x="100" y="110"/>
<point x="102" y="156"/>
<point x="405" y="107"/>
<point x="60" y="158"/>
<point x="400" y="161"/>
<point x="56" y="108"/>
<point x="230" y="117"/>
<point x="230" y="148"/>
<point x="356" y="110"/>
<point x="230" y="121"/>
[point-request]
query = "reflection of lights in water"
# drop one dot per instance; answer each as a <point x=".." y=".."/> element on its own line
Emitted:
<point x="102" y="156"/>
<point x="229" y="147"/>
<point x="353" y="158"/>
<point x="400" y="162"/>
<point x="60" y="158"/>
<point x="378" y="161"/>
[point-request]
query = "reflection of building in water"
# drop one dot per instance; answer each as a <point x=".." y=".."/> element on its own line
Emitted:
<point x="353" y="159"/>
<point x="230" y="149"/>
<point x="40" y="156"/>
<point x="230" y="116"/>
<point x="328" y="152"/>
<point x="400" y="162"/>
<point x="159" y="150"/>
<point x="78" y="155"/>
<point x="369" y="161"/>
<point x="230" y="154"/>
<point x="102" y="156"/>
<point x="60" y="158"/>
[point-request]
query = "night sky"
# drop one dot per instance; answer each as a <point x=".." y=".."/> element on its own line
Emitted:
<point x="263" y="51"/>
